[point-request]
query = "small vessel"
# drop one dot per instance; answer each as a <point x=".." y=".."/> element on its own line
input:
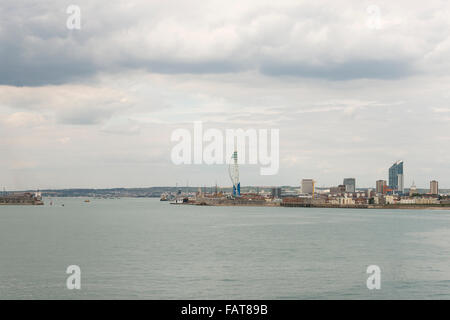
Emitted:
<point x="167" y="196"/>
<point x="164" y="197"/>
<point x="180" y="200"/>
<point x="87" y="200"/>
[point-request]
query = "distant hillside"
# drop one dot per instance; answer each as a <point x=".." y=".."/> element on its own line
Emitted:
<point x="137" y="192"/>
<point x="155" y="192"/>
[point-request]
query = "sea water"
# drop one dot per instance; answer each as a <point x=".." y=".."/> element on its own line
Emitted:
<point x="147" y="249"/>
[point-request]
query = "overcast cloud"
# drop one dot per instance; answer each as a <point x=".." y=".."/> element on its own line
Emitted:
<point x="352" y="86"/>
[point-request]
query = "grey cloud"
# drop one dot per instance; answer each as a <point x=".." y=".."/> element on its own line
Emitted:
<point x="36" y="48"/>
<point x="178" y="67"/>
<point x="378" y="69"/>
<point x="43" y="70"/>
<point x="88" y="116"/>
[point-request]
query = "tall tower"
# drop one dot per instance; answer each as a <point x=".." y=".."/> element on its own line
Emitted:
<point x="308" y="186"/>
<point x="233" y="170"/>
<point x="396" y="178"/>
<point x="350" y="184"/>
<point x="380" y="186"/>
<point x="434" y="187"/>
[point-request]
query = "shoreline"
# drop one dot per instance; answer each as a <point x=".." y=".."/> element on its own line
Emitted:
<point x="399" y="206"/>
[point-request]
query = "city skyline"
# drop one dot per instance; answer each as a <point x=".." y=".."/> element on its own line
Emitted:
<point x="96" y="106"/>
<point x="186" y="184"/>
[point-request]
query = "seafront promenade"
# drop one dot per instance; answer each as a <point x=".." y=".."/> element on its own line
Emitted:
<point x="290" y="202"/>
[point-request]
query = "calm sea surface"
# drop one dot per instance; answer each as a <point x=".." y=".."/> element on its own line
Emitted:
<point x="147" y="249"/>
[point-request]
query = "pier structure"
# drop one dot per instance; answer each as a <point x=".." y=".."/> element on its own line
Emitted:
<point x="26" y="198"/>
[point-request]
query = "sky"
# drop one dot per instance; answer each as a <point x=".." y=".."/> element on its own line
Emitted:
<point x="352" y="87"/>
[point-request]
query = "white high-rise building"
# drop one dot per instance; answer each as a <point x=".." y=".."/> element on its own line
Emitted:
<point x="400" y="183"/>
<point x="308" y="186"/>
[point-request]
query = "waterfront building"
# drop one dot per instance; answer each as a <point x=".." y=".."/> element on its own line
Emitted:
<point x="427" y="201"/>
<point x="338" y="190"/>
<point x="346" y="201"/>
<point x="26" y="198"/>
<point x="276" y="193"/>
<point x="413" y="189"/>
<point x="407" y="201"/>
<point x="288" y="193"/>
<point x="387" y="190"/>
<point x="396" y="177"/>
<point x="350" y="184"/>
<point x="434" y="187"/>
<point x="380" y="186"/>
<point x="389" y="199"/>
<point x="308" y="186"/>
<point x="378" y="200"/>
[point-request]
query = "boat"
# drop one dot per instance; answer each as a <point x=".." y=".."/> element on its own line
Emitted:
<point x="180" y="200"/>
<point x="164" y="197"/>
<point x="167" y="197"/>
